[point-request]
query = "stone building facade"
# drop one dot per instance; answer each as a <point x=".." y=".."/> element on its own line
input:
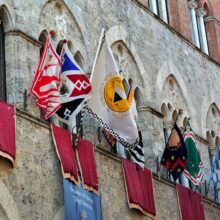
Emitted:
<point x="169" y="51"/>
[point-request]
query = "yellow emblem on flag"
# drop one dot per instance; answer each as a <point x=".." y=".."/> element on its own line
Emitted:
<point x="114" y="95"/>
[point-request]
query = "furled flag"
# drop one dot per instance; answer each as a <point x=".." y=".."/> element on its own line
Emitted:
<point x="46" y="80"/>
<point x="108" y="103"/>
<point x="74" y="88"/>
<point x="137" y="153"/>
<point x="194" y="164"/>
<point x="174" y="157"/>
<point x="215" y="175"/>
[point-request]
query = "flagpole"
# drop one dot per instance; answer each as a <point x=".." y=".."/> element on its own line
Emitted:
<point x="83" y="110"/>
<point x="97" y="53"/>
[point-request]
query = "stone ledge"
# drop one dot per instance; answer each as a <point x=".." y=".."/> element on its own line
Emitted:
<point x="45" y="124"/>
<point x="32" y="118"/>
<point x="25" y="36"/>
<point x="149" y="109"/>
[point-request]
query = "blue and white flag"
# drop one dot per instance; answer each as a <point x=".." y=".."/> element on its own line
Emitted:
<point x="215" y="175"/>
<point x="74" y="87"/>
<point x="80" y="203"/>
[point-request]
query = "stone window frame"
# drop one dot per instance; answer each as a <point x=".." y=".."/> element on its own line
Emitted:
<point x="159" y="8"/>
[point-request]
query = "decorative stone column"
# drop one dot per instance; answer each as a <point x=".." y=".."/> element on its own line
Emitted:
<point x="212" y="148"/>
<point x="163" y="10"/>
<point x="150" y="122"/>
<point x="153" y="6"/>
<point x="192" y="6"/>
<point x="204" y="44"/>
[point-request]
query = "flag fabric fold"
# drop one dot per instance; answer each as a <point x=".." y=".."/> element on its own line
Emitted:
<point x="74" y="87"/>
<point x="47" y="79"/>
<point x="132" y="103"/>
<point x="108" y="103"/>
<point x="139" y="188"/>
<point x="174" y="157"/>
<point x="80" y="203"/>
<point x="63" y="144"/>
<point x="215" y="172"/>
<point x="190" y="204"/>
<point x="194" y="164"/>
<point x="137" y="153"/>
<point x="86" y="158"/>
<point x="7" y="132"/>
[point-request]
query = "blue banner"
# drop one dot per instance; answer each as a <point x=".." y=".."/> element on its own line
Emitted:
<point x="80" y="204"/>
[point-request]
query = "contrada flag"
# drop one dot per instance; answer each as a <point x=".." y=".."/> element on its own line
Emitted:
<point x="194" y="164"/>
<point x="108" y="103"/>
<point x="74" y="87"/>
<point x="46" y="80"/>
<point x="174" y="157"/>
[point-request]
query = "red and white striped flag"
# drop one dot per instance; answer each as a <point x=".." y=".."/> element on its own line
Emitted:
<point x="47" y="79"/>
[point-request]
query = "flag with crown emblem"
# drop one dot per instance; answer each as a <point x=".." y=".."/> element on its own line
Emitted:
<point x="108" y="103"/>
<point x="194" y="164"/>
<point x="74" y="87"/>
<point x="46" y="81"/>
<point x="174" y="157"/>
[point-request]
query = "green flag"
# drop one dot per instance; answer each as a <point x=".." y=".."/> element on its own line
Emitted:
<point x="194" y="164"/>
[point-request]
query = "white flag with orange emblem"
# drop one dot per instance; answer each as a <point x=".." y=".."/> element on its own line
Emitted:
<point x="108" y="103"/>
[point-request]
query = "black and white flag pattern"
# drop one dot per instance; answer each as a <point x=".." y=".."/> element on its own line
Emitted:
<point x="137" y="153"/>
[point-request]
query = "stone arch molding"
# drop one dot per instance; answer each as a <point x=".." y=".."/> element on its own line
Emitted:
<point x="167" y="69"/>
<point x="208" y="101"/>
<point x="118" y="33"/>
<point x="59" y="22"/>
<point x="75" y="11"/>
<point x="7" y="203"/>
<point x="7" y="15"/>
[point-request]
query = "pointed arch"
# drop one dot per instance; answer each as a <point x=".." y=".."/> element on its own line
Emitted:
<point x="74" y="10"/>
<point x="208" y="101"/>
<point x="169" y="69"/>
<point x="138" y="97"/>
<point x="164" y="110"/>
<point x="79" y="59"/>
<point x="61" y="11"/>
<point x="212" y="118"/>
<point x="206" y="5"/>
<point x="126" y="85"/>
<point x="118" y="33"/>
<point x="6" y="17"/>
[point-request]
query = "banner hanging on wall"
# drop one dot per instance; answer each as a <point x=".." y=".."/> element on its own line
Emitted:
<point x="80" y="203"/>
